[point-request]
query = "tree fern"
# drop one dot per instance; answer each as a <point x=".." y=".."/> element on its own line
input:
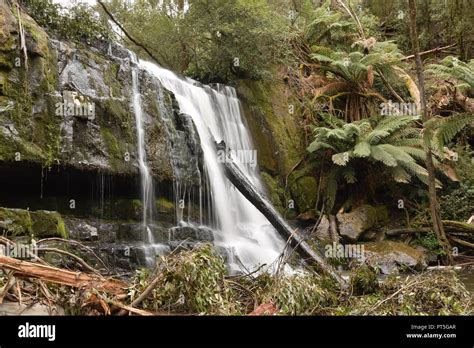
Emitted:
<point x="393" y="143"/>
<point x="451" y="68"/>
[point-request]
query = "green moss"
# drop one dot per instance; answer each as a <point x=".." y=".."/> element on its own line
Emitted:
<point x="430" y="242"/>
<point x="164" y="206"/>
<point x="128" y="209"/>
<point x="48" y="224"/>
<point x="112" y="144"/>
<point x="15" y="221"/>
<point x="383" y="215"/>
<point x="275" y="131"/>
<point x="275" y="192"/>
<point x="40" y="223"/>
<point x="363" y="280"/>
<point x="304" y="191"/>
<point x="6" y="62"/>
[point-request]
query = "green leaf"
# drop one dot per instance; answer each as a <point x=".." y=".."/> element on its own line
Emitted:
<point x="362" y="149"/>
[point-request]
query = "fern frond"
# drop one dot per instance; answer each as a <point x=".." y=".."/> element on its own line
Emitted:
<point x="447" y="129"/>
<point x="341" y="159"/>
<point x="400" y="175"/>
<point x="379" y="154"/>
<point x="349" y="175"/>
<point x="362" y="149"/>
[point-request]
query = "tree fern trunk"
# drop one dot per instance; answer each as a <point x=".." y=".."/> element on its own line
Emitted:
<point x="434" y="206"/>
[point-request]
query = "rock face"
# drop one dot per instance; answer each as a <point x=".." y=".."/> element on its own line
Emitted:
<point x="73" y="106"/>
<point x="68" y="113"/>
<point x="390" y="256"/>
<point x="352" y="225"/>
<point x="270" y="115"/>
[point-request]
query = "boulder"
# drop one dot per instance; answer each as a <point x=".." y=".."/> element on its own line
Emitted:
<point x="353" y="224"/>
<point x="40" y="223"/>
<point x="135" y="232"/>
<point x="191" y="233"/>
<point x="187" y="237"/>
<point x="323" y="231"/>
<point x="390" y="257"/>
<point x="15" y="221"/>
<point x="86" y="231"/>
<point x="48" y="224"/>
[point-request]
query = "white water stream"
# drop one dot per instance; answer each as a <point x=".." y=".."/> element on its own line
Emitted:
<point x="217" y="115"/>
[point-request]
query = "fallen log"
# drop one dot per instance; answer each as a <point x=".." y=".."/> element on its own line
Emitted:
<point x="462" y="242"/>
<point x="399" y="231"/>
<point x="449" y="225"/>
<point x="62" y="276"/>
<point x="249" y="191"/>
<point x="458" y="226"/>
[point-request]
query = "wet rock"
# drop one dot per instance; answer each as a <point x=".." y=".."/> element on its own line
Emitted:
<point x="131" y="232"/>
<point x="40" y="223"/>
<point x="48" y="224"/>
<point x="136" y="232"/>
<point x="431" y="257"/>
<point x="391" y="257"/>
<point x="187" y="237"/>
<point x="86" y="231"/>
<point x="124" y="256"/>
<point x="353" y="224"/>
<point x="323" y="231"/>
<point x="372" y="236"/>
<point x="191" y="233"/>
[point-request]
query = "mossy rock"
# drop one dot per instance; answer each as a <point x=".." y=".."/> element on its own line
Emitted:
<point x="164" y="206"/>
<point x="382" y="215"/>
<point x="275" y="192"/>
<point x="128" y="209"/>
<point x="48" y="224"/>
<point x="390" y="256"/>
<point x="353" y="224"/>
<point x="304" y="191"/>
<point x="15" y="222"/>
<point x="275" y="132"/>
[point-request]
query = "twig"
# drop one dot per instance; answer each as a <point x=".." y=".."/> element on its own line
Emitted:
<point x="137" y="311"/>
<point x="127" y="34"/>
<point x="74" y="242"/>
<point x="10" y="282"/>
<point x="144" y="294"/>
<point x="74" y="257"/>
<point x="434" y="50"/>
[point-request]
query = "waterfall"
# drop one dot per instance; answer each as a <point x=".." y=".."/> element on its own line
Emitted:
<point x="147" y="191"/>
<point x="216" y="112"/>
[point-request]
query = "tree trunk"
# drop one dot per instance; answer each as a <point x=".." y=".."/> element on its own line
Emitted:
<point x="433" y="200"/>
<point x="240" y="181"/>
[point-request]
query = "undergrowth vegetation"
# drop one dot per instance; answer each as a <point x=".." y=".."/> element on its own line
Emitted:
<point x="195" y="282"/>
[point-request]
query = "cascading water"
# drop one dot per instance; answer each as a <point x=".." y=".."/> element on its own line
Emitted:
<point x="147" y="191"/>
<point x="216" y="113"/>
